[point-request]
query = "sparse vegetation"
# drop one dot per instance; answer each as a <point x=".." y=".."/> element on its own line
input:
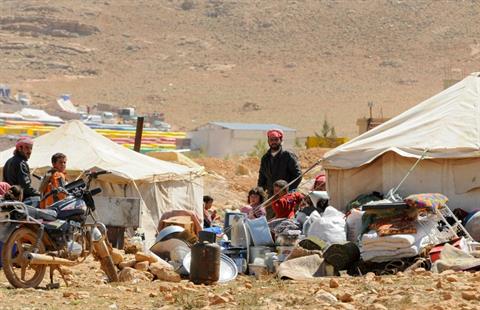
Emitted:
<point x="259" y="149"/>
<point x="187" y="5"/>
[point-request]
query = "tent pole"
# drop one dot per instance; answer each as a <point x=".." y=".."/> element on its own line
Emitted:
<point x="390" y="194"/>
<point x="293" y="181"/>
<point x="138" y="134"/>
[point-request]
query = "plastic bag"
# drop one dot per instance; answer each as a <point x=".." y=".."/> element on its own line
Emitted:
<point x="354" y="225"/>
<point x="329" y="227"/>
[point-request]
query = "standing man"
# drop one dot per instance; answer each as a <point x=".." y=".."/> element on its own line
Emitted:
<point x="17" y="172"/>
<point x="278" y="164"/>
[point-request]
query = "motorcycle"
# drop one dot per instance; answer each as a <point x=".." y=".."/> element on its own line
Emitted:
<point x="34" y="239"/>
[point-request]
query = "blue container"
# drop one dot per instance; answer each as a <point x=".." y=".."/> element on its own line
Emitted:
<point x="1" y="245"/>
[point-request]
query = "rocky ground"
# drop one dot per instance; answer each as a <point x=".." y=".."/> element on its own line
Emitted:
<point x="419" y="289"/>
<point x="88" y="289"/>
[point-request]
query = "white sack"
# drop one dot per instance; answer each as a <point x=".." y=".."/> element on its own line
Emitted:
<point x="329" y="227"/>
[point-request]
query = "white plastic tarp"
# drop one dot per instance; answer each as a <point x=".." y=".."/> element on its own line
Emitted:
<point x="447" y="124"/>
<point x="38" y="115"/>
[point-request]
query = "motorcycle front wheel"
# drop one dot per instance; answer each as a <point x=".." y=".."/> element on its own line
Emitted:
<point x="18" y="271"/>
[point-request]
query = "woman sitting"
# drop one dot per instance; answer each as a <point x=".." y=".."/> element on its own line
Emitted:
<point x="254" y="209"/>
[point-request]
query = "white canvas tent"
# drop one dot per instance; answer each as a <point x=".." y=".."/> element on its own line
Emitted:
<point x="160" y="185"/>
<point x="447" y="125"/>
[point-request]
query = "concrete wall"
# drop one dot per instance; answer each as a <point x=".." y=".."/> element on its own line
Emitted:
<point x="219" y="142"/>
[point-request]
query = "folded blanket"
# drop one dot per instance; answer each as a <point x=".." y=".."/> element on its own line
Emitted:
<point x="386" y="255"/>
<point x="386" y="248"/>
<point x="383" y="246"/>
<point x="400" y="240"/>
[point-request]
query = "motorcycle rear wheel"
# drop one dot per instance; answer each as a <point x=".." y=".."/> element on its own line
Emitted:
<point x="18" y="271"/>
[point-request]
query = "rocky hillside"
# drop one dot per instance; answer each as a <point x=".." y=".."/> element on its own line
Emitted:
<point x="289" y="62"/>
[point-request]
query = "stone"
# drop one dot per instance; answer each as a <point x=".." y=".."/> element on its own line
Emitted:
<point x="163" y="273"/>
<point x="334" y="283"/>
<point x="447" y="296"/>
<point x="164" y="287"/>
<point x="377" y="306"/>
<point x="469" y="295"/>
<point x="439" y="284"/>
<point x="345" y="297"/>
<point x="148" y="275"/>
<point x="347" y="307"/>
<point x="369" y="276"/>
<point x="420" y="270"/>
<point x="326" y="297"/>
<point x="152" y="295"/>
<point x="475" y="279"/>
<point x="129" y="263"/>
<point x="67" y="294"/>
<point x="142" y="266"/>
<point x="169" y="297"/>
<point x="218" y="299"/>
<point x="129" y="274"/>
<point x="117" y="256"/>
<point x="82" y="295"/>
<point x="144" y="257"/>
<point x="248" y="285"/>
<point x="451" y="279"/>
<point x="132" y="248"/>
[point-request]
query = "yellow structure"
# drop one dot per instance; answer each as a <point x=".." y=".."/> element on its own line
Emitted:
<point x="316" y="141"/>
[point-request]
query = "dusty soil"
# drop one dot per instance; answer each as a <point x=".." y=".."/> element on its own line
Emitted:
<point x="87" y="290"/>
<point x="288" y="62"/>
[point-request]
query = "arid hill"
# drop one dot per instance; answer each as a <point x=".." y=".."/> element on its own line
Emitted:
<point x="288" y="62"/>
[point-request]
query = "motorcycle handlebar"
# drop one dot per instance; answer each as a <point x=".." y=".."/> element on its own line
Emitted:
<point x="95" y="174"/>
<point x="55" y="191"/>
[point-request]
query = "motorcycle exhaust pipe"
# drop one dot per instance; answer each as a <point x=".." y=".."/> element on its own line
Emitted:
<point x="42" y="259"/>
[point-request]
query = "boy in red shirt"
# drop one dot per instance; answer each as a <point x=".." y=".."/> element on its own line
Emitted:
<point x="286" y="203"/>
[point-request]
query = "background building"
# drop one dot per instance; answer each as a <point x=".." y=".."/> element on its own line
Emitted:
<point x="220" y="139"/>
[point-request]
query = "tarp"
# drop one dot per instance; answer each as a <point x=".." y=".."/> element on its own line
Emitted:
<point x="161" y="185"/>
<point x="38" y="115"/>
<point x="66" y="105"/>
<point x="447" y="124"/>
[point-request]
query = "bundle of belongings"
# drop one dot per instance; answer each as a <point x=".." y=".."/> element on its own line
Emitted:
<point x="392" y="230"/>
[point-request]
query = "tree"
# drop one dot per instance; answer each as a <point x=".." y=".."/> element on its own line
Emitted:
<point x="259" y="149"/>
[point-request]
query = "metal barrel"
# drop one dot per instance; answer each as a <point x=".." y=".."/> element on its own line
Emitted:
<point x="205" y="263"/>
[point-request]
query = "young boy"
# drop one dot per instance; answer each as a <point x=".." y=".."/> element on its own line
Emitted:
<point x="284" y="206"/>
<point x="54" y="178"/>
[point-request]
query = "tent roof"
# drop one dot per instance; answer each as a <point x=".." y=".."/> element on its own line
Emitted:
<point x="447" y="125"/>
<point x="86" y="149"/>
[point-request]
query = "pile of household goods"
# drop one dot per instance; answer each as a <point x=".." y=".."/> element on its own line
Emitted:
<point x="377" y="235"/>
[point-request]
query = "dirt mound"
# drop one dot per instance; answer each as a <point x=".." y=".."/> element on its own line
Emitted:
<point x="229" y="180"/>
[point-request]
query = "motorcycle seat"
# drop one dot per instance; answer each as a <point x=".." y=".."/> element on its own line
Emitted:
<point x="42" y="214"/>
